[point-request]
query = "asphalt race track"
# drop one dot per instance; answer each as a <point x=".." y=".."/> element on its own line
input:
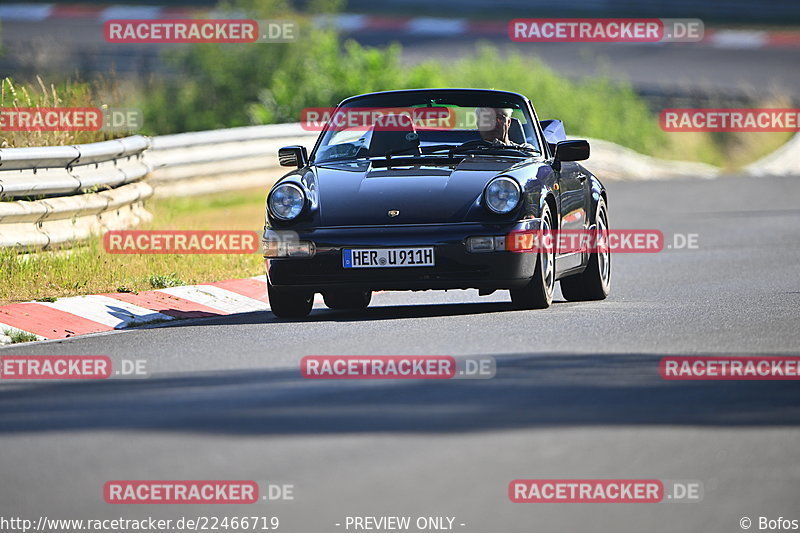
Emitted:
<point x="577" y="393"/>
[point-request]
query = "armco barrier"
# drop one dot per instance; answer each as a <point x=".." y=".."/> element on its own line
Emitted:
<point x="785" y="161"/>
<point x="55" y="195"/>
<point x="209" y="161"/>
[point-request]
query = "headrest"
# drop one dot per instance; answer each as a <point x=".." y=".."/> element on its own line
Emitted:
<point x="515" y="132"/>
<point x="394" y="133"/>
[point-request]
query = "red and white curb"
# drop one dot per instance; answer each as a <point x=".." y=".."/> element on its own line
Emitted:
<point x="79" y="315"/>
<point x="353" y="23"/>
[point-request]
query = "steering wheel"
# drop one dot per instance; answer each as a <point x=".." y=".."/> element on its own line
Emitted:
<point x="476" y="143"/>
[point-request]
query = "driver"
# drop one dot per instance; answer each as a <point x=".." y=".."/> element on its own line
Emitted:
<point x="493" y="125"/>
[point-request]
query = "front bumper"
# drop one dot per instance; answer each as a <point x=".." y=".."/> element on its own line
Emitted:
<point x="455" y="267"/>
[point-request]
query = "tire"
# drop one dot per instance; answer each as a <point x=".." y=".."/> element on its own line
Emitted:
<point x="594" y="283"/>
<point x="344" y="299"/>
<point x="538" y="293"/>
<point x="289" y="303"/>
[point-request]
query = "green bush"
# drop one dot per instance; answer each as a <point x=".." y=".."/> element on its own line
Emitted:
<point x="594" y="107"/>
<point x="218" y="84"/>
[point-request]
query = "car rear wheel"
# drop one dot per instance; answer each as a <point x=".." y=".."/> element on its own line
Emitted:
<point x="344" y="299"/>
<point x="289" y="303"/>
<point x="594" y="283"/>
<point x="538" y="293"/>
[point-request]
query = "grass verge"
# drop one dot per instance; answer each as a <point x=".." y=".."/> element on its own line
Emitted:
<point x="38" y="94"/>
<point x="88" y="269"/>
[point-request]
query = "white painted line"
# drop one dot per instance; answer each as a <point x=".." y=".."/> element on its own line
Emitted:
<point x="217" y="298"/>
<point x="108" y="311"/>
<point x="739" y="39"/>
<point x="350" y="22"/>
<point x="345" y="22"/>
<point x="437" y="26"/>
<point x="34" y="12"/>
<point x="130" y="12"/>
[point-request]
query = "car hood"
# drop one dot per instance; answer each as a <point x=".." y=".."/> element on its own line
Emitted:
<point x="356" y="193"/>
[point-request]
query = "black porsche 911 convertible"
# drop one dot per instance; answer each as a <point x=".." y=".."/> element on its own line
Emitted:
<point x="428" y="189"/>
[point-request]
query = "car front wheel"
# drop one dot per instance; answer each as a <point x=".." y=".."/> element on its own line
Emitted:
<point x="594" y="283"/>
<point x="289" y="303"/>
<point x="538" y="293"/>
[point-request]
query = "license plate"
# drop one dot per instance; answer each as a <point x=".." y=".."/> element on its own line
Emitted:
<point x="387" y="257"/>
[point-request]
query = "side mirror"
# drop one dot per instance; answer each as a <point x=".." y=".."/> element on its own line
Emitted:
<point x="293" y="156"/>
<point x="572" y="151"/>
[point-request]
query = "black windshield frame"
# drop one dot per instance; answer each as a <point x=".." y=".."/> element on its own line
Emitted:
<point x="458" y="97"/>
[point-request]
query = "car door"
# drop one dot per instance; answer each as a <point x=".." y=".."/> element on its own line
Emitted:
<point x="572" y="193"/>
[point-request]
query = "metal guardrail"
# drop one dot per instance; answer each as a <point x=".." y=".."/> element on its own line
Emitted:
<point x="59" y="194"/>
<point x="785" y="161"/>
<point x="60" y="170"/>
<point x="56" y="195"/>
<point x="198" y="162"/>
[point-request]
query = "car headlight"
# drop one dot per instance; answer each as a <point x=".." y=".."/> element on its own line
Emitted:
<point x="502" y="195"/>
<point x="286" y="201"/>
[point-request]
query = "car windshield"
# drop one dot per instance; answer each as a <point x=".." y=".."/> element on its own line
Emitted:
<point x="422" y="123"/>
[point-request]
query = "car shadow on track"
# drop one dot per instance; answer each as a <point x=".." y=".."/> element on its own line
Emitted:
<point x="373" y="313"/>
<point x="529" y="391"/>
<point x="393" y="312"/>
